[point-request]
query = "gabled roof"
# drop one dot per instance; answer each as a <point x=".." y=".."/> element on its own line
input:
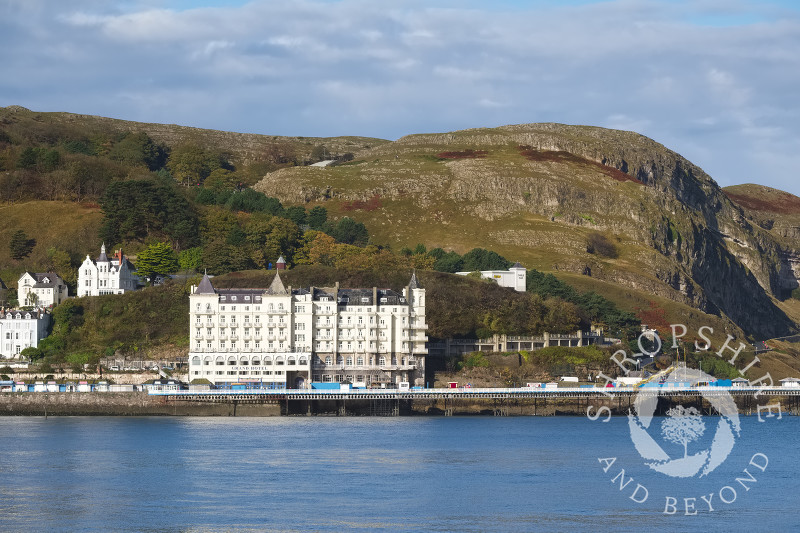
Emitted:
<point x="45" y="280"/>
<point x="517" y="266"/>
<point x="205" y="286"/>
<point x="413" y="284"/>
<point x="277" y="287"/>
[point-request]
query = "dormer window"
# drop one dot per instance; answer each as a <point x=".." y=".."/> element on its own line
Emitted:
<point x="233" y="298"/>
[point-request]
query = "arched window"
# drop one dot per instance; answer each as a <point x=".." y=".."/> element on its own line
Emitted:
<point x="268" y="360"/>
<point x="196" y="360"/>
<point x="291" y="361"/>
<point x="382" y="361"/>
<point x="328" y="360"/>
<point x="303" y="361"/>
<point x="360" y="361"/>
<point x="256" y="362"/>
<point x="244" y="361"/>
<point x="339" y="360"/>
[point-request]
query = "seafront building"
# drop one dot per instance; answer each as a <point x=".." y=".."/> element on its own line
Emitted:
<point x="106" y="275"/>
<point x="514" y="278"/>
<point x="40" y="289"/>
<point x="289" y="337"/>
<point x="21" y="329"/>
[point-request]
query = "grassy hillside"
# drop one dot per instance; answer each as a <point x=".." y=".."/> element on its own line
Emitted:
<point x="541" y="194"/>
<point x="71" y="227"/>
<point x="538" y="193"/>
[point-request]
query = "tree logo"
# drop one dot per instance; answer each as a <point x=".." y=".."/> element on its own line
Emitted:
<point x="683" y="427"/>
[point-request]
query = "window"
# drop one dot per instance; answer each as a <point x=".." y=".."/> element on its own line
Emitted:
<point x="360" y="361"/>
<point x="328" y="360"/>
<point x="350" y="361"/>
<point x="382" y="361"/>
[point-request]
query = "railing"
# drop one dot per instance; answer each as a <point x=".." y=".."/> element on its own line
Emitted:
<point x="479" y="392"/>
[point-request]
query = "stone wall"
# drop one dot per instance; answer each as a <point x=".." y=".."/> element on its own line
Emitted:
<point x="119" y="404"/>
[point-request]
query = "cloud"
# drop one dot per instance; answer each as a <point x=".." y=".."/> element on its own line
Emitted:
<point x="714" y="80"/>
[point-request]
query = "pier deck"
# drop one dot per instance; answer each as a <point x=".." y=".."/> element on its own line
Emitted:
<point x="283" y="395"/>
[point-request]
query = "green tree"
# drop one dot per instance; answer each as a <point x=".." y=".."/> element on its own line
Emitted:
<point x="158" y="258"/>
<point x="60" y="262"/>
<point x="32" y="354"/>
<point x="221" y="179"/>
<point x="296" y="214"/>
<point x="190" y="163"/>
<point x="191" y="259"/>
<point x="317" y="217"/>
<point x="480" y="259"/>
<point x="139" y="149"/>
<point x="349" y="231"/>
<point x="220" y="258"/>
<point x="137" y="209"/>
<point x="20" y="245"/>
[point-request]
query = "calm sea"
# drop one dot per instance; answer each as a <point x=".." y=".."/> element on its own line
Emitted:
<point x="397" y="474"/>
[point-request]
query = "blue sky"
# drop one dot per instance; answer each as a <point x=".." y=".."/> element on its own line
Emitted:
<point x="715" y="80"/>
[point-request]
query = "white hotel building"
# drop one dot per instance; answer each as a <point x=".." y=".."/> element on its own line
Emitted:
<point x="285" y="337"/>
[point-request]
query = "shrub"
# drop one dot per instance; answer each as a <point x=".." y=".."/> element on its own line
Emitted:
<point x="475" y="360"/>
<point x="599" y="244"/>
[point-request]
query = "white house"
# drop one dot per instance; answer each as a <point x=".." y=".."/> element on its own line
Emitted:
<point x="515" y="277"/>
<point x="104" y="275"/>
<point x="40" y="289"/>
<point x="20" y="330"/>
<point x="287" y="337"/>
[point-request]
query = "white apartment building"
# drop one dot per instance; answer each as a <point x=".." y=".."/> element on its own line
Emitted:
<point x="40" y="289"/>
<point x="20" y="330"/>
<point x="287" y="337"/>
<point x="104" y="275"/>
<point x="515" y="277"/>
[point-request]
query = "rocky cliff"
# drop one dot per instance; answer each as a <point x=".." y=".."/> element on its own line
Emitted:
<point x="535" y="192"/>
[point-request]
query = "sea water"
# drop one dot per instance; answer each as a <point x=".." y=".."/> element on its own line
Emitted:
<point x="162" y="474"/>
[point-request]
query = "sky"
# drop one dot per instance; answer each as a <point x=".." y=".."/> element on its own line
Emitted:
<point x="717" y="81"/>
